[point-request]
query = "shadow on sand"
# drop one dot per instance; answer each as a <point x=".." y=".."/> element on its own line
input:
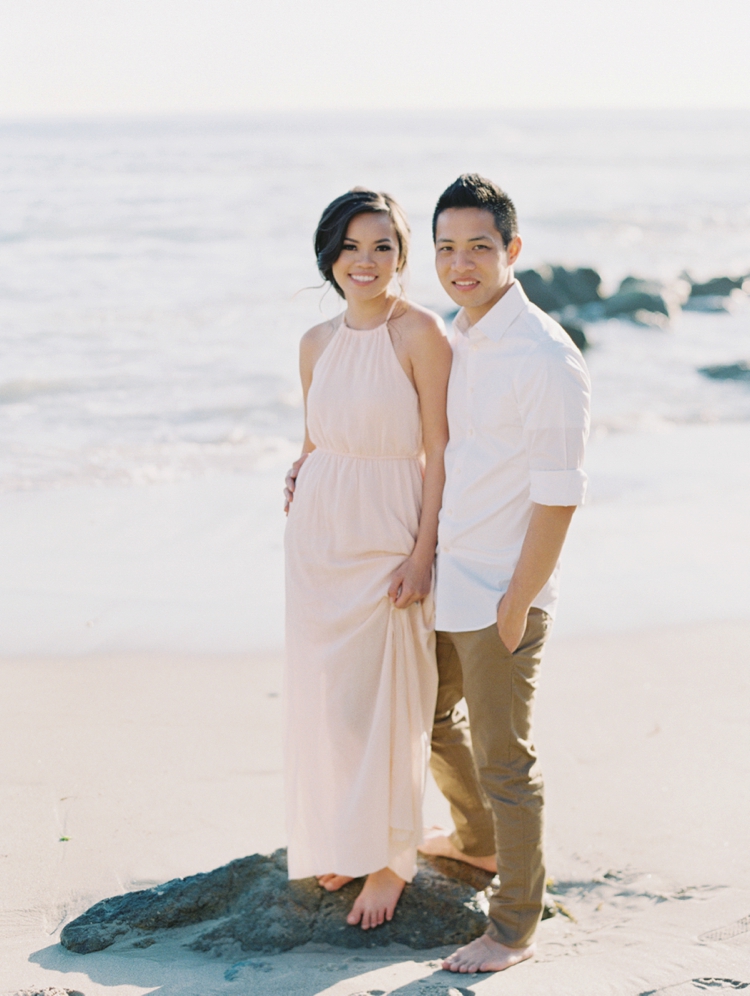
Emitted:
<point x="170" y="969"/>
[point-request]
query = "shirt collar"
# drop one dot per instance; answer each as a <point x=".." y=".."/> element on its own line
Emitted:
<point x="499" y="318"/>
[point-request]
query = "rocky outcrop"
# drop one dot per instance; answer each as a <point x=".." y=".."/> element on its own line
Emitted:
<point x="718" y="287"/>
<point x="574" y="297"/>
<point x="50" y="991"/>
<point x="730" y="371"/>
<point x="553" y="288"/>
<point x="577" y="334"/>
<point x="716" y="295"/>
<point x="251" y="906"/>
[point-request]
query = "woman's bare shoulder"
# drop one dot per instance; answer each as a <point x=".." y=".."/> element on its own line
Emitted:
<point x="419" y="323"/>
<point x="315" y="340"/>
<point x="319" y="333"/>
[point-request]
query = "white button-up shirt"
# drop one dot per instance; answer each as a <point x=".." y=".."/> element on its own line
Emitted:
<point x="518" y="416"/>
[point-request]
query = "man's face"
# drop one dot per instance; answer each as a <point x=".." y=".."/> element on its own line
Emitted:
<point x="473" y="264"/>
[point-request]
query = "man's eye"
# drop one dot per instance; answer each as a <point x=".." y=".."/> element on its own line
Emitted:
<point x="481" y="247"/>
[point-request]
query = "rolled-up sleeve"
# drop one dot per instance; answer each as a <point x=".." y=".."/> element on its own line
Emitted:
<point x="553" y="391"/>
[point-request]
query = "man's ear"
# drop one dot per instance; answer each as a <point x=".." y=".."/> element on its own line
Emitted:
<point x="514" y="248"/>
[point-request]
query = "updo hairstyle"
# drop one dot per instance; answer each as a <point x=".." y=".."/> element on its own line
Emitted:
<point x="330" y="234"/>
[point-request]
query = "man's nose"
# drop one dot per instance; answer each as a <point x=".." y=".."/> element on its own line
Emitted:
<point x="463" y="261"/>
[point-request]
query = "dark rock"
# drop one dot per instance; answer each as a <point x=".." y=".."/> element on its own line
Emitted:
<point x="580" y="286"/>
<point x="630" y="303"/>
<point x="49" y="991"/>
<point x="250" y="904"/>
<point x="577" y="334"/>
<point x="540" y="289"/>
<point x="552" y="288"/>
<point x="718" y="287"/>
<point x="732" y="371"/>
<point x="710" y="303"/>
<point x="631" y="285"/>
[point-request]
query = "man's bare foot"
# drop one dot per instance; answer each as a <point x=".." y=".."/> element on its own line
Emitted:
<point x="438" y="843"/>
<point x="334" y="882"/>
<point x="486" y="955"/>
<point x="377" y="900"/>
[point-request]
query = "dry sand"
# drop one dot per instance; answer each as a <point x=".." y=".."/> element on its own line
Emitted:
<point x="155" y="767"/>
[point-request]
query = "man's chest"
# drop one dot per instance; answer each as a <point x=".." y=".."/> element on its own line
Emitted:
<point x="482" y="397"/>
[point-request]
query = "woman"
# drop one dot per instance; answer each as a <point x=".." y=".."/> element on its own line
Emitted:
<point x="363" y="503"/>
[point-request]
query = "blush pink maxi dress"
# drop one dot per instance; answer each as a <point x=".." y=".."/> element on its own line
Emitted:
<point x="361" y="678"/>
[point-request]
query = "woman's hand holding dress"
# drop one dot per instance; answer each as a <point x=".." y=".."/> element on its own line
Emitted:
<point x="411" y="581"/>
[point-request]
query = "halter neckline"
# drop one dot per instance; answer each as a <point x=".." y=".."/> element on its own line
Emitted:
<point x="380" y="326"/>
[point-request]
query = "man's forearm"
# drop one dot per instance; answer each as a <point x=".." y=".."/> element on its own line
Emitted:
<point x="540" y="552"/>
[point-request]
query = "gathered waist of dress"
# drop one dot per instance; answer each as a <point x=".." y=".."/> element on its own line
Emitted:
<point x="365" y="456"/>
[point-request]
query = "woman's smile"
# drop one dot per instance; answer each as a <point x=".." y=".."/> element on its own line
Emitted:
<point x="369" y="256"/>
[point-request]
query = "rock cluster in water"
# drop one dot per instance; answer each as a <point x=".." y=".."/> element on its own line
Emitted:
<point x="251" y="905"/>
<point x="729" y="371"/>
<point x="574" y="297"/>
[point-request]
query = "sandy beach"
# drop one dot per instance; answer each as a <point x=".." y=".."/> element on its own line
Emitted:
<point x="134" y="755"/>
<point x="157" y="767"/>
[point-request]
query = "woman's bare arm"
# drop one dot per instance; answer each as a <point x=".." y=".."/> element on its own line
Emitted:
<point x="430" y="355"/>
<point x="311" y="346"/>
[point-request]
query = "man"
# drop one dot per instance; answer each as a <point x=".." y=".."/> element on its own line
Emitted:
<point x="518" y="415"/>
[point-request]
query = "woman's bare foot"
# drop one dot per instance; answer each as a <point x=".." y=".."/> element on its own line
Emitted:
<point x="438" y="843"/>
<point x="334" y="882"/>
<point x="486" y="955"/>
<point x="377" y="900"/>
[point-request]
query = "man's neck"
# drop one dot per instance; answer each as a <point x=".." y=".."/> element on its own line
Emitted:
<point x="474" y="315"/>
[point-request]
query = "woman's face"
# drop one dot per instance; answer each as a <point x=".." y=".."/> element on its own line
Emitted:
<point x="369" y="257"/>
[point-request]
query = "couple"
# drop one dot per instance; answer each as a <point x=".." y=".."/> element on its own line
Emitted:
<point x="413" y="446"/>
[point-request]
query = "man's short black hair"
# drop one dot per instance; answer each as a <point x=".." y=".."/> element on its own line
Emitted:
<point x="471" y="190"/>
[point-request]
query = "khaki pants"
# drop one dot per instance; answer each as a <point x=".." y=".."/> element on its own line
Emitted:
<point x="491" y="776"/>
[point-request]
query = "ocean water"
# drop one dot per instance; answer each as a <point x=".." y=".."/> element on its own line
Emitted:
<point x="155" y="276"/>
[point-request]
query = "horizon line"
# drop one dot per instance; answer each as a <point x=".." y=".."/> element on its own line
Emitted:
<point x="14" y="117"/>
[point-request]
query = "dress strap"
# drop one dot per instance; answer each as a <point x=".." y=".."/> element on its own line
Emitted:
<point x="392" y="309"/>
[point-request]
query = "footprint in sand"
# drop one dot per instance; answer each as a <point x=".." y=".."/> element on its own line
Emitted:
<point x="707" y="984"/>
<point x="741" y="926"/>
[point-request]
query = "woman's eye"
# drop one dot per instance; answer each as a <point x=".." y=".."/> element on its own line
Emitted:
<point x="384" y="248"/>
<point x="348" y="246"/>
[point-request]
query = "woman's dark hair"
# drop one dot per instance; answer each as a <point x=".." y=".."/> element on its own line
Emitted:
<point x="330" y="234"/>
<point x="471" y="190"/>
